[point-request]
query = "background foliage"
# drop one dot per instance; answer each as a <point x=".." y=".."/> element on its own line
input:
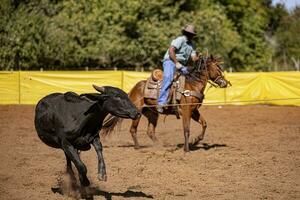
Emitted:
<point x="249" y="35"/>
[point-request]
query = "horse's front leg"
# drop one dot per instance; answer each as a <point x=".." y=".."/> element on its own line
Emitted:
<point x="101" y="165"/>
<point x="186" y="120"/>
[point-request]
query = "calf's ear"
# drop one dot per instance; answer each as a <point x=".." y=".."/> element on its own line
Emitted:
<point x="99" y="89"/>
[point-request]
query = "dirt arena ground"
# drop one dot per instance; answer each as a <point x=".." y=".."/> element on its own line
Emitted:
<point x="249" y="152"/>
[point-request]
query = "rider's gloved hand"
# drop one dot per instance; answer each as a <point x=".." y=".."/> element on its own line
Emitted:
<point x="178" y="65"/>
<point x="184" y="70"/>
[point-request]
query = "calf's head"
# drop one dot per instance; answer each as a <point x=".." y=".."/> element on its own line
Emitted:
<point x="116" y="102"/>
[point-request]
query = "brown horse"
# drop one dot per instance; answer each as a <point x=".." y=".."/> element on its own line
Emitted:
<point x="204" y="70"/>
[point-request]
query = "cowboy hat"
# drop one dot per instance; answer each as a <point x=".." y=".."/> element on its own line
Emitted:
<point x="189" y="29"/>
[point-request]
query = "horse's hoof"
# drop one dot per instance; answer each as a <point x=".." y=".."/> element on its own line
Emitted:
<point x="136" y="147"/>
<point x="102" y="177"/>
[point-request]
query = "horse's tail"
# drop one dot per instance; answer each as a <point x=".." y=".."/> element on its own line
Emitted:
<point x="109" y="124"/>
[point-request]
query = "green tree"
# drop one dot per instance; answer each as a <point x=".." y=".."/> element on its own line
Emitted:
<point x="73" y="34"/>
<point x="250" y="19"/>
<point x="288" y="41"/>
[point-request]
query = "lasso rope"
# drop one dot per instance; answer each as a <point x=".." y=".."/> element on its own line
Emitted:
<point x="220" y="102"/>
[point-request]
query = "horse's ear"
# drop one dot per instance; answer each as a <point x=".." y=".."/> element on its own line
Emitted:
<point x="211" y="56"/>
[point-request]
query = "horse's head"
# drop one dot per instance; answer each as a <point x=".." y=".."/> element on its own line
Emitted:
<point x="210" y="66"/>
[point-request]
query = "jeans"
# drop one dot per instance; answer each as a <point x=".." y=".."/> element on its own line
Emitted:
<point x="169" y="71"/>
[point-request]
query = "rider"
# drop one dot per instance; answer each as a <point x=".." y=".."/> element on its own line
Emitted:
<point x="176" y="57"/>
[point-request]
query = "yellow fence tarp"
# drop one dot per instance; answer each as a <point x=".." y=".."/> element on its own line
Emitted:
<point x="35" y="85"/>
<point x="27" y="87"/>
<point x="131" y="78"/>
<point x="277" y="88"/>
<point x="9" y="88"/>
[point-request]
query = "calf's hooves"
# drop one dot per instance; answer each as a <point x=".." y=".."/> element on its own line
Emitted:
<point x="86" y="194"/>
<point x="102" y="177"/>
<point x="85" y="183"/>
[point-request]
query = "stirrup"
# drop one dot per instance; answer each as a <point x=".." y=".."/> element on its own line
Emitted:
<point x="160" y="109"/>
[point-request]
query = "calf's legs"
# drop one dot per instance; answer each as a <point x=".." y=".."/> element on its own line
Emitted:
<point x="101" y="165"/>
<point x="71" y="153"/>
<point x="70" y="171"/>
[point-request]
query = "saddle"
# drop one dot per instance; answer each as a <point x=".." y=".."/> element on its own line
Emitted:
<point x="154" y="84"/>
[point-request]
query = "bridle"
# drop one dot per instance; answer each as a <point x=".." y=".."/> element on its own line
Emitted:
<point x="201" y="66"/>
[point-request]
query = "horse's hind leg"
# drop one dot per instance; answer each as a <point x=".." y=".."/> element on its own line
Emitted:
<point x="136" y="96"/>
<point x="186" y="119"/>
<point x="152" y="123"/>
<point x="133" y="131"/>
<point x="200" y="119"/>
